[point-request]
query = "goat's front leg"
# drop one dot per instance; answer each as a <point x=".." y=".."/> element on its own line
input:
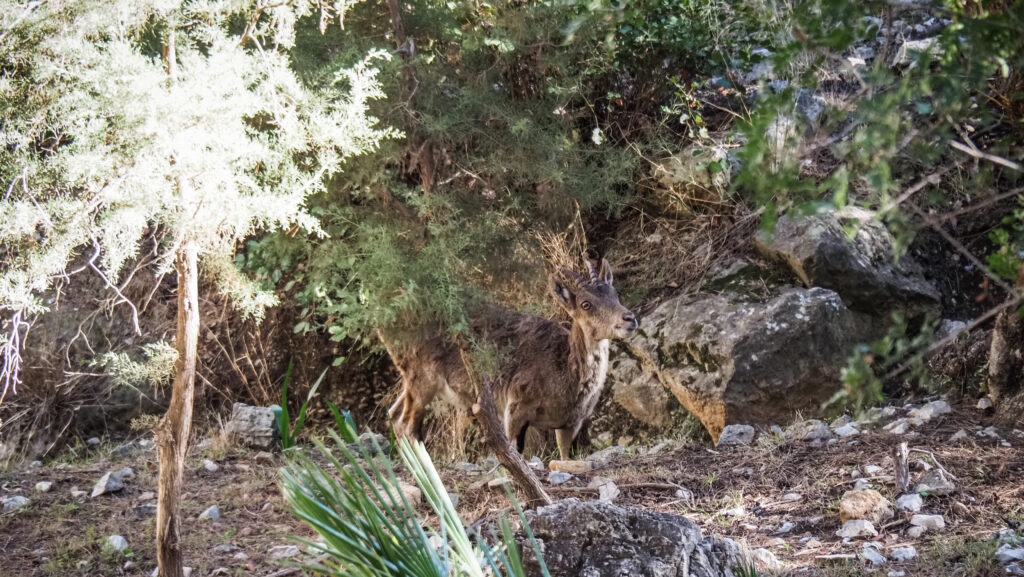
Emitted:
<point x="564" y="439"/>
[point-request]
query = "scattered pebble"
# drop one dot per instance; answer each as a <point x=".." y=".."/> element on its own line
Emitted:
<point x="846" y="431"/>
<point x="35" y="464"/>
<point x="14" y="502"/>
<point x="44" y="486"/>
<point x="871" y="554"/>
<point x="872" y="470"/>
<point x="535" y="463"/>
<point x="864" y="504"/>
<point x="791" y="497"/>
<point x="958" y="436"/>
<point x="990" y="432"/>
<point x="224" y="549"/>
<point x="115" y="544"/>
<point x="147" y="496"/>
<point x="558" y="477"/>
<point x="412" y="493"/>
<point x="984" y="403"/>
<point x="92" y="441"/>
<point x="264" y="458"/>
<point x="110" y="482"/>
<point x="765" y="558"/>
<point x="209" y="466"/>
<point x="212" y="513"/>
<point x="499" y="482"/>
<point x="897" y="427"/>
<point x="928" y="522"/>
<point x="934" y="482"/>
<point x="282" y="552"/>
<point x="912" y="502"/>
<point x="786" y="527"/>
<point x="930" y="410"/>
<point x="240" y="556"/>
<point x="862" y="485"/>
<point x="903" y="553"/>
<point x="607" y="490"/>
<point x="735" y="435"/>
<point x="857" y="528"/>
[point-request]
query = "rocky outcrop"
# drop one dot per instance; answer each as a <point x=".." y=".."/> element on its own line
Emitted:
<point x="252" y="427"/>
<point x="595" y="539"/>
<point x="861" y="269"/>
<point x="638" y="390"/>
<point x="730" y="360"/>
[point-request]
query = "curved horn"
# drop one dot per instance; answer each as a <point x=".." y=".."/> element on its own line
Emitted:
<point x="594" y="275"/>
<point x="572" y="275"/>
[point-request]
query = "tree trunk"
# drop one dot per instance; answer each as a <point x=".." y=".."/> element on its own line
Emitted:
<point x="173" y="430"/>
<point x="1006" y="356"/>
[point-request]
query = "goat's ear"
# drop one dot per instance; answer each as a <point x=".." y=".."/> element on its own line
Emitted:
<point x="563" y="296"/>
<point x="606" y="271"/>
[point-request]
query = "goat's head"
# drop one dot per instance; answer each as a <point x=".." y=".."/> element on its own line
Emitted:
<point x="593" y="303"/>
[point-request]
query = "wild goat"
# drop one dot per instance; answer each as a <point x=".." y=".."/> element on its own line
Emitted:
<point x="550" y="378"/>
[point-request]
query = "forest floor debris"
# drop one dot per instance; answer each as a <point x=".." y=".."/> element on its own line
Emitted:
<point x="778" y="495"/>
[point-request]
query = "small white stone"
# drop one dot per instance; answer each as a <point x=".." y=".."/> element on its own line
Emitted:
<point x="212" y="513"/>
<point x="897" y="427"/>
<point x="14" y="502"/>
<point x="911" y="502"/>
<point x="990" y="432"/>
<point x="930" y="410"/>
<point x="928" y="522"/>
<point x="903" y="553"/>
<point x="958" y="436"/>
<point x="872" y="470"/>
<point x="210" y="466"/>
<point x="870" y="554"/>
<point x="536" y="463"/>
<point x="857" y="528"/>
<point x="984" y="403"/>
<point x="733" y="435"/>
<point x="895" y="573"/>
<point x="765" y="558"/>
<point x="115" y="544"/>
<point x="786" y="527"/>
<point x="44" y="486"/>
<point x="282" y="552"/>
<point x="846" y="431"/>
<point x="791" y="497"/>
<point x="915" y="532"/>
<point x="558" y="477"/>
<point x="737" y="511"/>
<point x="92" y="441"/>
<point x="862" y="484"/>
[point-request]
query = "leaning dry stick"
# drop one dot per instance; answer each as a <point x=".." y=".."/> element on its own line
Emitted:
<point x="510" y="458"/>
<point x="936" y="461"/>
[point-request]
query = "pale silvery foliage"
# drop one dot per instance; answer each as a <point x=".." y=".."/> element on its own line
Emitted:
<point x="100" y="144"/>
<point x="151" y="373"/>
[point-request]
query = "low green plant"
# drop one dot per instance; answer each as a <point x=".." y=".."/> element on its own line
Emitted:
<point x="369" y="529"/>
<point x="287" y="431"/>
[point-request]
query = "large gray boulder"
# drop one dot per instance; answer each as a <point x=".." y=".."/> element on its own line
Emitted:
<point x="862" y="269"/>
<point x="253" y="427"/>
<point x="595" y="539"/>
<point x="730" y="359"/>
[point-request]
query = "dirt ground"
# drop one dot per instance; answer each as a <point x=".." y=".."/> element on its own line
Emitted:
<point x="746" y="493"/>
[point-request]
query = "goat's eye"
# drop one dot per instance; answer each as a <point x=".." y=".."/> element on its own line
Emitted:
<point x="585" y="305"/>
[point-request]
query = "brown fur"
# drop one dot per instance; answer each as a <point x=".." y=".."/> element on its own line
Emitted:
<point x="551" y="377"/>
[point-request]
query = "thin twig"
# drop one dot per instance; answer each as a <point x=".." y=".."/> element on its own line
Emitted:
<point x="986" y="156"/>
<point x="936" y="461"/>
